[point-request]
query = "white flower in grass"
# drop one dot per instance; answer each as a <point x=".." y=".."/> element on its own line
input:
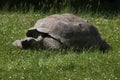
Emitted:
<point x="10" y="77"/>
<point x="22" y="77"/>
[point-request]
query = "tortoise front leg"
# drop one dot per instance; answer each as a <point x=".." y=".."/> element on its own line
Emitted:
<point x="51" y="43"/>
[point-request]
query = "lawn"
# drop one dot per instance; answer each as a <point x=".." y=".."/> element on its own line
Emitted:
<point x="18" y="64"/>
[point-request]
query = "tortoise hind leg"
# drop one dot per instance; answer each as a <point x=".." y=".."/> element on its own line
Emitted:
<point x="51" y="43"/>
<point x="104" y="46"/>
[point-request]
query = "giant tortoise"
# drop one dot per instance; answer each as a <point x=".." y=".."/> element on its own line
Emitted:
<point x="63" y="31"/>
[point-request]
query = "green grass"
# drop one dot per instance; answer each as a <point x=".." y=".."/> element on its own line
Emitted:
<point x="18" y="64"/>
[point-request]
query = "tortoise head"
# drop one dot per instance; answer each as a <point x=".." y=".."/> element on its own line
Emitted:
<point x="28" y="43"/>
